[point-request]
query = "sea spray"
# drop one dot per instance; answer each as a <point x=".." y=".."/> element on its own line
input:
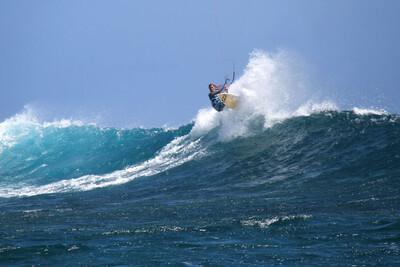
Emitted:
<point x="272" y="88"/>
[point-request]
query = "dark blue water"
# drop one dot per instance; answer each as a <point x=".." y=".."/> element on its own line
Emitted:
<point x="321" y="190"/>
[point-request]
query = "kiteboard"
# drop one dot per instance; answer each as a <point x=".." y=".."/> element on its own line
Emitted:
<point x="229" y="100"/>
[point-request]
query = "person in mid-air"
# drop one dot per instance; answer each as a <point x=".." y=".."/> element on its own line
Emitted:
<point x="216" y="102"/>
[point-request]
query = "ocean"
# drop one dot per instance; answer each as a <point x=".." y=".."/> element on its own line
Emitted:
<point x="283" y="180"/>
<point x="313" y="190"/>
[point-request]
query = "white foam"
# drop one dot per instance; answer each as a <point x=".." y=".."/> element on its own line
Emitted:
<point x="265" y="223"/>
<point x="310" y="108"/>
<point x="26" y="123"/>
<point x="273" y="87"/>
<point x="206" y="120"/>
<point x="364" y="111"/>
<point x="177" y="152"/>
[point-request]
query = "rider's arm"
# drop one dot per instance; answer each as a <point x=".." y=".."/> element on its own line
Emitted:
<point x="226" y="87"/>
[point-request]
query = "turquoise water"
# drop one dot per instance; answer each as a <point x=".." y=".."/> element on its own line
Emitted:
<point x="317" y="190"/>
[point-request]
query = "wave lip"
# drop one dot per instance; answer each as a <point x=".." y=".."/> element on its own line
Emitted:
<point x="24" y="124"/>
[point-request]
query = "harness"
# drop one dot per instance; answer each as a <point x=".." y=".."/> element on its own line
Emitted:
<point x="216" y="102"/>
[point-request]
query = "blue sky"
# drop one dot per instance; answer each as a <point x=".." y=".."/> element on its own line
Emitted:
<point x="148" y="63"/>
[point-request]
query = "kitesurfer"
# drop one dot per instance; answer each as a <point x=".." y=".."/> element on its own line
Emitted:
<point x="216" y="102"/>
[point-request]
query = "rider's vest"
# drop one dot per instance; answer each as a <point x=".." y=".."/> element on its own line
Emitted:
<point x="216" y="102"/>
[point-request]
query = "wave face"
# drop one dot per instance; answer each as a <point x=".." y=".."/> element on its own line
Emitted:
<point x="35" y="154"/>
<point x="282" y="180"/>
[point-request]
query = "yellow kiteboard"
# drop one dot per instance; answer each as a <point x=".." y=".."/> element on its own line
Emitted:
<point x="229" y="100"/>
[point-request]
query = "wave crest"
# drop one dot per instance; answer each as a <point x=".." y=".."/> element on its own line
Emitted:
<point x="272" y="88"/>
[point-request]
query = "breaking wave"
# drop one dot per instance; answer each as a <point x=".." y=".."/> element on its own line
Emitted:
<point x="278" y="127"/>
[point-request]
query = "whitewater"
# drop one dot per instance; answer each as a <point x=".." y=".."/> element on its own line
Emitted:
<point x="288" y="178"/>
